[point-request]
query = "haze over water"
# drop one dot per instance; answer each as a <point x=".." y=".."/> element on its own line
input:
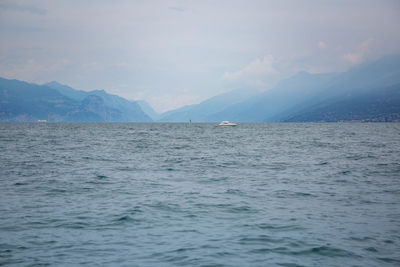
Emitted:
<point x="199" y="195"/>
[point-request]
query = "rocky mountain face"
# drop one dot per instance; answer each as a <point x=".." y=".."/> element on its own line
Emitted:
<point x="22" y="101"/>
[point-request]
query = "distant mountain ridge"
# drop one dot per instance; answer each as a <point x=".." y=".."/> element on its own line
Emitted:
<point x="148" y="110"/>
<point x="287" y="94"/>
<point x="203" y="112"/>
<point x="22" y="101"/>
<point x="129" y="110"/>
<point x="375" y="105"/>
<point x="70" y="92"/>
<point x="366" y="90"/>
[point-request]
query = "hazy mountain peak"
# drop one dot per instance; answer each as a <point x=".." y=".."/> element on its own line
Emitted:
<point x="53" y="83"/>
<point x="203" y="111"/>
<point x="100" y="91"/>
<point x="148" y="109"/>
<point x="57" y="102"/>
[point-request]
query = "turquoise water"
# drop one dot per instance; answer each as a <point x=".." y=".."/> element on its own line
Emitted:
<point x="199" y="195"/>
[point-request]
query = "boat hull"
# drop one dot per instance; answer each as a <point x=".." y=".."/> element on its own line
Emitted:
<point x="228" y="124"/>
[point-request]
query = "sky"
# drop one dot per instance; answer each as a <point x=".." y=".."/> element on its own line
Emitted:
<point x="175" y="53"/>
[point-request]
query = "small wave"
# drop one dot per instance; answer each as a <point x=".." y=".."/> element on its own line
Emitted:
<point x="180" y="250"/>
<point x="280" y="250"/>
<point x="9" y="248"/>
<point x="259" y="240"/>
<point x="173" y="160"/>
<point x="289" y="264"/>
<point x="125" y="218"/>
<point x="346" y="172"/>
<point x="354" y="157"/>
<point x="328" y="251"/>
<point x="214" y="179"/>
<point x="74" y="225"/>
<point x="274" y="227"/>
<point x="371" y="249"/>
<point x="361" y="239"/>
<point x="222" y="254"/>
<point x="341" y="181"/>
<point x="20" y="183"/>
<point x="301" y="194"/>
<point x="121" y="220"/>
<point x="181" y="147"/>
<point x="97" y="182"/>
<point x="57" y="190"/>
<point x="242" y="209"/>
<point x="389" y="260"/>
<point x="188" y="231"/>
<point x="136" y="209"/>
<point x="175" y="258"/>
<point x="234" y="192"/>
<point x="322" y="251"/>
<point x="169" y="207"/>
<point x="287" y="193"/>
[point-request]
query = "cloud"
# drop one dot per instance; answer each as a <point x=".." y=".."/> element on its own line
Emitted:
<point x="167" y="101"/>
<point x="177" y="9"/>
<point x="255" y="69"/>
<point x="8" y="6"/>
<point x="360" y="53"/>
<point x="31" y="69"/>
<point x="321" y="45"/>
<point x="93" y="66"/>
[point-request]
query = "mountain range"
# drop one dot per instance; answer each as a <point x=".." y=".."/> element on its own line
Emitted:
<point x="206" y="110"/>
<point x="367" y="92"/>
<point x="22" y="101"/>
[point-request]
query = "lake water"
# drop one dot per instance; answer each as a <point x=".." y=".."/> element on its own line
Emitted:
<point x="199" y="195"/>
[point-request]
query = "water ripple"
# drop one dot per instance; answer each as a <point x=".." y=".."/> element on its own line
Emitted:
<point x="198" y="195"/>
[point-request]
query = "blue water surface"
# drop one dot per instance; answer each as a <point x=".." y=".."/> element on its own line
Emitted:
<point x="199" y="195"/>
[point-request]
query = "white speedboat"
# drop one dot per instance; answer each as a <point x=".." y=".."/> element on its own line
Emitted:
<point x="227" y="123"/>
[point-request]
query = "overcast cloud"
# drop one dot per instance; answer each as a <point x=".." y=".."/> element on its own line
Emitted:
<point x="173" y="53"/>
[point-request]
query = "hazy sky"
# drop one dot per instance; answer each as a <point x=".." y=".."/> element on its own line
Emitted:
<point x="173" y="53"/>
